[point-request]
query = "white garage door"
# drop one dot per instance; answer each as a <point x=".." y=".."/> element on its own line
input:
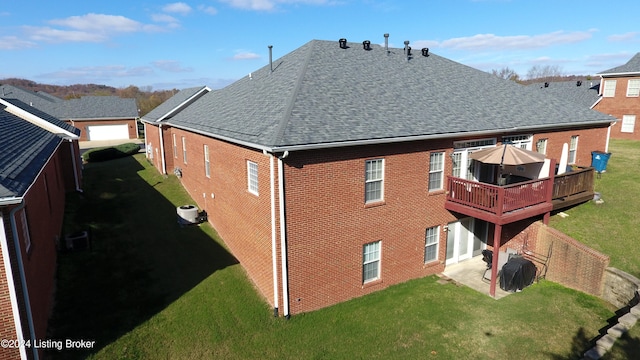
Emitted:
<point x="108" y="132"/>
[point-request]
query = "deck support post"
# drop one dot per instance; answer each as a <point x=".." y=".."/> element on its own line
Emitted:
<point x="497" y="235"/>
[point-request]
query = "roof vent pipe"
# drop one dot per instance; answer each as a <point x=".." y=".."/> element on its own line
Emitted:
<point x="366" y="45"/>
<point x="425" y="52"/>
<point x="579" y="83"/>
<point x="407" y="49"/>
<point x="386" y="43"/>
<point x="271" y="58"/>
<point x="343" y="43"/>
<point x="546" y="84"/>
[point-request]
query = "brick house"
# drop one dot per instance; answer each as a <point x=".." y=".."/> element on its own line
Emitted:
<point x="39" y="163"/>
<point x="620" y="98"/>
<point x="98" y="117"/>
<point x="330" y="172"/>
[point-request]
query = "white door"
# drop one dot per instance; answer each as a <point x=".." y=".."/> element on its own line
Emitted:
<point x="465" y="238"/>
<point x="464" y="167"/>
<point x="108" y="132"/>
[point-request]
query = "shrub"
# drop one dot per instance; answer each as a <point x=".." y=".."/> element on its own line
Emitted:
<point x="111" y="152"/>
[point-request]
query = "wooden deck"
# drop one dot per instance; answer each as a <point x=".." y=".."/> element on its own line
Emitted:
<point x="506" y="204"/>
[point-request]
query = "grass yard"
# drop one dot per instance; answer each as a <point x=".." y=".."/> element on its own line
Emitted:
<point x="612" y="227"/>
<point x="150" y="289"/>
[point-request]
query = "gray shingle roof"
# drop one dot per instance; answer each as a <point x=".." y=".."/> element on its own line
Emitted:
<point x="87" y="107"/>
<point x="586" y="94"/>
<point x="632" y="66"/>
<point x="174" y="104"/>
<point x="44" y="116"/>
<point x="24" y="150"/>
<point x="321" y="93"/>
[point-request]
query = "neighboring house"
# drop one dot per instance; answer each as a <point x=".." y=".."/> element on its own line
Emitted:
<point x="98" y="117"/>
<point x="39" y="163"/>
<point x="620" y="98"/>
<point x="331" y="172"/>
<point x="164" y="112"/>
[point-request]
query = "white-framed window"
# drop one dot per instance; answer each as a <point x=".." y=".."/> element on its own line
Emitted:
<point x="628" y="123"/>
<point x="573" y="149"/>
<point x="374" y="180"/>
<point x="541" y="146"/>
<point x="207" y="164"/>
<point x="432" y="239"/>
<point x="521" y="141"/>
<point x="26" y="237"/>
<point x="371" y="261"/>
<point x="184" y="150"/>
<point x="633" y="88"/>
<point x="252" y="177"/>
<point x="609" y="88"/>
<point x="436" y="170"/>
<point x="175" y="146"/>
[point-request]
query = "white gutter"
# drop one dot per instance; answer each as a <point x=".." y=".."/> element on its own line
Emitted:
<point x="274" y="243"/>
<point x="164" y="165"/>
<point x="283" y="238"/>
<point x="606" y="146"/>
<point x="13" y="298"/>
<point x="23" y="277"/>
<point x="74" y="161"/>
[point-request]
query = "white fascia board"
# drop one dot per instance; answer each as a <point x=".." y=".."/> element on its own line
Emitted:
<point x="36" y="120"/>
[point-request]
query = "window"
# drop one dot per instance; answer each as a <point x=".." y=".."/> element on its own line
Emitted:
<point x="573" y="148"/>
<point x="371" y="262"/>
<point x="541" y="146"/>
<point x="184" y="150"/>
<point x="633" y="87"/>
<point x="609" y="89"/>
<point x="252" y="177"/>
<point x="521" y="141"/>
<point x="26" y="237"/>
<point x="432" y="238"/>
<point x="175" y="146"/>
<point x="628" y="123"/>
<point x="207" y="165"/>
<point x="374" y="177"/>
<point x="436" y="170"/>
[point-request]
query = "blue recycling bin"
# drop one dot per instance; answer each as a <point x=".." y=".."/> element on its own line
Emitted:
<point x="599" y="160"/>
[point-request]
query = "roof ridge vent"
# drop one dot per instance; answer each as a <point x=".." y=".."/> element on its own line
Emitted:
<point x="366" y="45"/>
<point x="343" y="43"/>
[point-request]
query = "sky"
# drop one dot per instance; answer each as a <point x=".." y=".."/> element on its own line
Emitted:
<point x="161" y="45"/>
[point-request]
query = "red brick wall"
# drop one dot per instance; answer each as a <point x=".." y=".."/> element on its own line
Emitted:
<point x="328" y="222"/>
<point x="241" y="218"/>
<point x="45" y="200"/>
<point x="152" y="144"/>
<point x="7" y="324"/>
<point x="620" y="105"/>
<point x="82" y="125"/>
<point x="588" y="140"/>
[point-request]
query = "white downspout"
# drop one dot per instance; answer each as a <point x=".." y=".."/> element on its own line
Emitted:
<point x="606" y="146"/>
<point x="23" y="278"/>
<point x="274" y="243"/>
<point x="74" y="161"/>
<point x="13" y="298"/>
<point x="164" y="165"/>
<point x="283" y="238"/>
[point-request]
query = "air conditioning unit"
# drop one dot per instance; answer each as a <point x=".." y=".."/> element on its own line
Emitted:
<point x="187" y="214"/>
<point x="77" y="241"/>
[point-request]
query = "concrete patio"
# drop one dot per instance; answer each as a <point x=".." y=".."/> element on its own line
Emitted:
<point x="469" y="273"/>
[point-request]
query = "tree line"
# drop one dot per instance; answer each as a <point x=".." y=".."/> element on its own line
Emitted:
<point x="537" y="74"/>
<point x="146" y="98"/>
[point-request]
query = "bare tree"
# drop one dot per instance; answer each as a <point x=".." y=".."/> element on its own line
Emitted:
<point x="547" y="72"/>
<point x="506" y="73"/>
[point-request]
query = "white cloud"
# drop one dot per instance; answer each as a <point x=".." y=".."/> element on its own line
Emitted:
<point x="51" y="35"/>
<point x="270" y="4"/>
<point x="630" y="36"/>
<point x="14" y="43"/>
<point x="208" y="9"/>
<point x="171" y="66"/>
<point x="495" y="42"/>
<point x="245" y="56"/>
<point x="99" y="22"/>
<point x="94" y="74"/>
<point x="178" y="8"/>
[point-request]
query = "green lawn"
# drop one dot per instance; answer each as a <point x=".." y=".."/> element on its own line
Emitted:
<point x="611" y="227"/>
<point x="151" y="289"/>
